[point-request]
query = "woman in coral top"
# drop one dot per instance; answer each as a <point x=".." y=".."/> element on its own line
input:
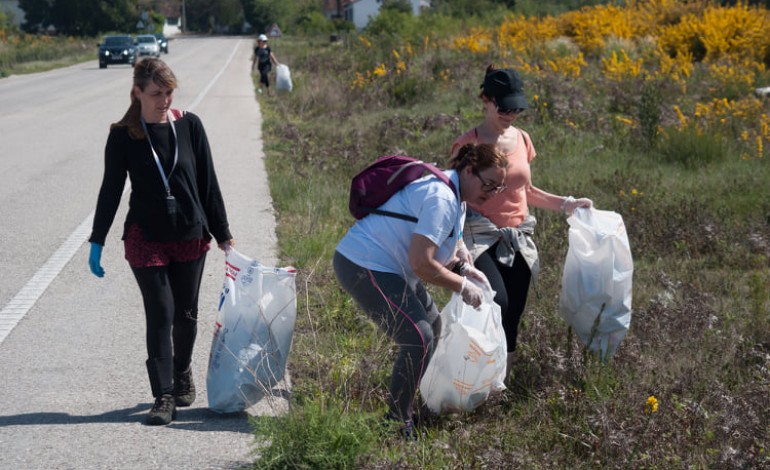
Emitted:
<point x="499" y="231"/>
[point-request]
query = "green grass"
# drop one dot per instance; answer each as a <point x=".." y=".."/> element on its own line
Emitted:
<point x="25" y="53"/>
<point x="698" y="218"/>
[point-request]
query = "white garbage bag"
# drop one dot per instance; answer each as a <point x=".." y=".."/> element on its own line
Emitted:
<point x="254" y="329"/>
<point x="283" y="78"/>
<point x="596" y="283"/>
<point x="469" y="361"/>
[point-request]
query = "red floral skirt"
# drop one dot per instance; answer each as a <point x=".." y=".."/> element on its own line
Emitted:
<point x="142" y="253"/>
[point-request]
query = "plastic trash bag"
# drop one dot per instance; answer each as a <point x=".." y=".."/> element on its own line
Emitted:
<point x="283" y="78"/>
<point x="254" y="328"/>
<point x="469" y="361"/>
<point x="596" y="283"/>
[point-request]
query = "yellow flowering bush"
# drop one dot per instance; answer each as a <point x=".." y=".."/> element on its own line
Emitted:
<point x="619" y="67"/>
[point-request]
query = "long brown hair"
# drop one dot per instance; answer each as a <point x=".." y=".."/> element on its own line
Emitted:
<point x="146" y="71"/>
<point x="479" y="157"/>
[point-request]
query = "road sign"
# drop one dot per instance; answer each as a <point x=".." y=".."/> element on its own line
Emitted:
<point x="274" y="31"/>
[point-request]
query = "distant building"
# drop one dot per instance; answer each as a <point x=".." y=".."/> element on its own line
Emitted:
<point x="172" y="26"/>
<point x="12" y="11"/>
<point x="359" y="12"/>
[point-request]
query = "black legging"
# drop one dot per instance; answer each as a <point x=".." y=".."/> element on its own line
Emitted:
<point x="512" y="286"/>
<point x="406" y="315"/>
<point x="263" y="76"/>
<point x="170" y="295"/>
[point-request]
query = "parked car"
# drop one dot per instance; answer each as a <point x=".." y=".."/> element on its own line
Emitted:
<point x="163" y="41"/>
<point x="147" y="45"/>
<point x="117" y="49"/>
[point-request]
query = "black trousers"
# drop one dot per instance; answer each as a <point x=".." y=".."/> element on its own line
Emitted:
<point x="170" y="295"/>
<point x="511" y="284"/>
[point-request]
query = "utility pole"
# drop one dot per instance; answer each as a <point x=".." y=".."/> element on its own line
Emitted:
<point x="184" y="17"/>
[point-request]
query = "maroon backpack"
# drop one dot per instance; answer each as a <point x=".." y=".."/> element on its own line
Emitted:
<point x="376" y="183"/>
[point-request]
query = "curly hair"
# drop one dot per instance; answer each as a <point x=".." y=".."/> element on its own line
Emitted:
<point x="479" y="157"/>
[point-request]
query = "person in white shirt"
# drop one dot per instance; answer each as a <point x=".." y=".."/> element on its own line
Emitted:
<point x="382" y="262"/>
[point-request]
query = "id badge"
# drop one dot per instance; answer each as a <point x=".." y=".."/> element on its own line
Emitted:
<point x="170" y="205"/>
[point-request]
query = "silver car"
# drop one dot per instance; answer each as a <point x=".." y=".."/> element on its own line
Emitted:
<point x="147" y="44"/>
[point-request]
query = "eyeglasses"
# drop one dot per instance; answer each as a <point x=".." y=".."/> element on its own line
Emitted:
<point x="489" y="186"/>
<point x="508" y="112"/>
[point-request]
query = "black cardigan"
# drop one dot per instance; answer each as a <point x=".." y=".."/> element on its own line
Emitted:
<point x="200" y="210"/>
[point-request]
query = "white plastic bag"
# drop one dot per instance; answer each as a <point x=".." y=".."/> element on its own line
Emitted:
<point x="596" y="284"/>
<point x="283" y="78"/>
<point x="469" y="361"/>
<point x="254" y="328"/>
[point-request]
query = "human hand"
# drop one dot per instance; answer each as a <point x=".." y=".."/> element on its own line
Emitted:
<point x="464" y="255"/>
<point x="95" y="260"/>
<point x="226" y="245"/>
<point x="471" y="293"/>
<point x="478" y="276"/>
<point x="569" y="204"/>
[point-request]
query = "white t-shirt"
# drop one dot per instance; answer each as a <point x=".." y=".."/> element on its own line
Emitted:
<point x="381" y="243"/>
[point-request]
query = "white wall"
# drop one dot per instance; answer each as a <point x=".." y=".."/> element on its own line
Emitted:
<point x="172" y="27"/>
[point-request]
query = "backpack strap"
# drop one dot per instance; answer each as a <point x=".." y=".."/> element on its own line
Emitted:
<point x="438" y="174"/>
<point x="176" y="114"/>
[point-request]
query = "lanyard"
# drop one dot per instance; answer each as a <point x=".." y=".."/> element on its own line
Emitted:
<point x="155" y="154"/>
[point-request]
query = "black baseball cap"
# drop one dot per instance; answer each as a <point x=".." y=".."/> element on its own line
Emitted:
<point x="506" y="88"/>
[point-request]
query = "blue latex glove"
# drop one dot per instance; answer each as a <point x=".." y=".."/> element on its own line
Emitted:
<point x="95" y="260"/>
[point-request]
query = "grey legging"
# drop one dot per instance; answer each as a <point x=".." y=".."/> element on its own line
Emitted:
<point x="406" y="315"/>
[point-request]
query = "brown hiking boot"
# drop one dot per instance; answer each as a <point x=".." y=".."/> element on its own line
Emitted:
<point x="163" y="411"/>
<point x="184" y="388"/>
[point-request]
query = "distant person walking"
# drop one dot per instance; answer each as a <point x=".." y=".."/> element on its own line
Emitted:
<point x="175" y="207"/>
<point x="383" y="263"/>
<point x="263" y="60"/>
<point x="498" y="232"/>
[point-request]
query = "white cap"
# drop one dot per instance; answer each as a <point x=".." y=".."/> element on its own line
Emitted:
<point x="262" y="37"/>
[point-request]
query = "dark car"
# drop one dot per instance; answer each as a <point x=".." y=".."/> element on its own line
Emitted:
<point x="163" y="41"/>
<point x="118" y="49"/>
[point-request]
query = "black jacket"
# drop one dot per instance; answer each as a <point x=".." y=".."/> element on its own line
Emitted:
<point x="200" y="210"/>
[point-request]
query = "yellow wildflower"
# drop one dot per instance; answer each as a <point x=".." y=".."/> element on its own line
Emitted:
<point x="652" y="405"/>
<point x="379" y="71"/>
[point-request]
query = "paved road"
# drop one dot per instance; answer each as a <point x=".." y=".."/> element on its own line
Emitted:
<point x="73" y="385"/>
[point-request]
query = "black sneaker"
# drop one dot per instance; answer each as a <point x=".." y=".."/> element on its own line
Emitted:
<point x="407" y="431"/>
<point x="184" y="388"/>
<point x="163" y="411"/>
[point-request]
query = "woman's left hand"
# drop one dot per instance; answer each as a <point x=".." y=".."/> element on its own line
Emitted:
<point x="225" y="245"/>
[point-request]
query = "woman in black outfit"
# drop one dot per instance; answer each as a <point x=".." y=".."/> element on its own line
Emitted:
<point x="174" y="210"/>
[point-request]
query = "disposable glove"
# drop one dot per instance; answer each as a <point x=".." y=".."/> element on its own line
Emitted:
<point x="478" y="276"/>
<point x="471" y="293"/>
<point x="464" y="255"/>
<point x="570" y="204"/>
<point x="95" y="260"/>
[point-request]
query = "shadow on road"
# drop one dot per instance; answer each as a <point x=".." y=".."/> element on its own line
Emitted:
<point x="193" y="419"/>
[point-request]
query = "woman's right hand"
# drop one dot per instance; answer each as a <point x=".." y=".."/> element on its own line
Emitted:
<point x="95" y="260"/>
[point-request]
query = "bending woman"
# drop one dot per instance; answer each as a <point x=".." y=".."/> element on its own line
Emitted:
<point x="383" y="262"/>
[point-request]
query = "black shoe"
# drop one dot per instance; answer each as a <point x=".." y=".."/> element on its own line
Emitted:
<point x="406" y="429"/>
<point x="184" y="388"/>
<point x="163" y="411"/>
